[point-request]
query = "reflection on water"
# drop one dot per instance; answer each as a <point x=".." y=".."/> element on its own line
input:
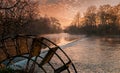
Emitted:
<point x="91" y="54"/>
<point x="62" y="38"/>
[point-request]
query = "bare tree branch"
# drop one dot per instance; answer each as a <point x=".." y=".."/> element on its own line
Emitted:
<point x="17" y="2"/>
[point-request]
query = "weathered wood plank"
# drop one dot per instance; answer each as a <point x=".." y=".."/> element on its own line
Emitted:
<point x="48" y="56"/>
<point x="62" y="68"/>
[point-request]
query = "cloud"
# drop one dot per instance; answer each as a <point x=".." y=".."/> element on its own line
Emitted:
<point x="65" y="10"/>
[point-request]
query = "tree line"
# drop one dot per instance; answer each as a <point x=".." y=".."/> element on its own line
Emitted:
<point x="44" y="25"/>
<point x="104" y="20"/>
<point x="22" y="17"/>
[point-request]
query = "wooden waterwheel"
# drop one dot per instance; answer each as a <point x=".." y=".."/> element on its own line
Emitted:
<point x="28" y="54"/>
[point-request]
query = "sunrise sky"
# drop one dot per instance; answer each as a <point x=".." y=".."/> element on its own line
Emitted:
<point x="65" y="10"/>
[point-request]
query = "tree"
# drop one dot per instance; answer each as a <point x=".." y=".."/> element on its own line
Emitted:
<point x="106" y="14"/>
<point x="76" y="20"/>
<point x="117" y="13"/>
<point x="90" y="15"/>
<point x="55" y="25"/>
<point x="15" y="17"/>
<point x="7" y="4"/>
<point x="102" y="21"/>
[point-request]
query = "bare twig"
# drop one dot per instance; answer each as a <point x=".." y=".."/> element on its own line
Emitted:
<point x="1" y="8"/>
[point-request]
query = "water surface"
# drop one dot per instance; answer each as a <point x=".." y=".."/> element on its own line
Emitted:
<point x="90" y="54"/>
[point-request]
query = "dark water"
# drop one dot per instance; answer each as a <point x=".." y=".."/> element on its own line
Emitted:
<point x="91" y="54"/>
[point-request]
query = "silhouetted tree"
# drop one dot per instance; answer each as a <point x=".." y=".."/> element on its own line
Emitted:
<point x="102" y="21"/>
<point x="90" y="15"/>
<point x="14" y="14"/>
<point x="76" y="20"/>
<point x="44" y="25"/>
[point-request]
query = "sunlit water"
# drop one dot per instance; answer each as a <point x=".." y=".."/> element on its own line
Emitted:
<point x="90" y="54"/>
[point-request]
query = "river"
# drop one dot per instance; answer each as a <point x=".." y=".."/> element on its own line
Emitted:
<point x="90" y="54"/>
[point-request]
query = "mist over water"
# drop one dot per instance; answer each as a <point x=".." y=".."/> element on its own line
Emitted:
<point x="91" y="54"/>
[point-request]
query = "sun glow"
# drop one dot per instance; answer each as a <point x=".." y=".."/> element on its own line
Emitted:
<point x="65" y="10"/>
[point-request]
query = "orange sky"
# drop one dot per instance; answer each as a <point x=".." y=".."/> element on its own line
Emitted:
<point x="65" y="10"/>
